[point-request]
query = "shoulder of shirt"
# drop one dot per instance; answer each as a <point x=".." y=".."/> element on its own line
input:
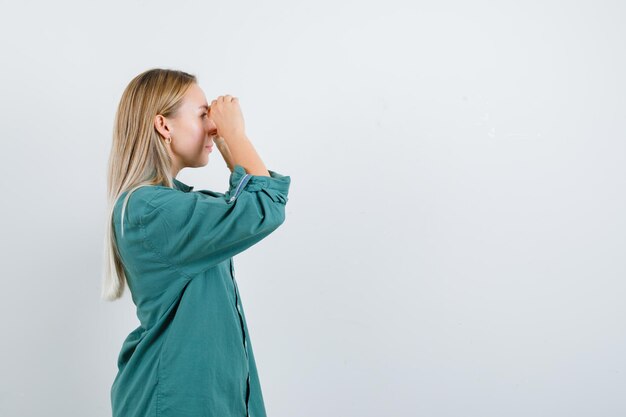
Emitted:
<point x="144" y="200"/>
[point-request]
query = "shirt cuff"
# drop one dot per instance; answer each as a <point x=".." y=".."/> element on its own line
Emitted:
<point x="276" y="185"/>
<point x="276" y="181"/>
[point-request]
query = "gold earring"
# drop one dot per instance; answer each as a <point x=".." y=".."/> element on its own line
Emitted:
<point x="168" y="140"/>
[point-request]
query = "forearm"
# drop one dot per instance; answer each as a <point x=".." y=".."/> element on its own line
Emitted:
<point x="240" y="151"/>
<point x="225" y="151"/>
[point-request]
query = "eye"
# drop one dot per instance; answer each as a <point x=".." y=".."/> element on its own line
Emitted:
<point x="204" y="114"/>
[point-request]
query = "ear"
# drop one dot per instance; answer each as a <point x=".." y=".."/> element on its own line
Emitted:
<point x="161" y="124"/>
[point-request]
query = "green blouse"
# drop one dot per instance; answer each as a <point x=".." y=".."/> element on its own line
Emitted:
<point x="191" y="356"/>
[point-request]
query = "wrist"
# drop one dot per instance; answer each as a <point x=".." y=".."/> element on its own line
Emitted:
<point x="235" y="137"/>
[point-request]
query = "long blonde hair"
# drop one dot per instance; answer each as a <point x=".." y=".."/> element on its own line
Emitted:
<point x="138" y="155"/>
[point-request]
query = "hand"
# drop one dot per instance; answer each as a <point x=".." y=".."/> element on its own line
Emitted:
<point x="227" y="116"/>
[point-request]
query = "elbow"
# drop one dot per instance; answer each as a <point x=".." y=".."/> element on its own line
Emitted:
<point x="279" y="216"/>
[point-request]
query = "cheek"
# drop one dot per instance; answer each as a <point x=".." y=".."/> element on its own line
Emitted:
<point x="198" y="130"/>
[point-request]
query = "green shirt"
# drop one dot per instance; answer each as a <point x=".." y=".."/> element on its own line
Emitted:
<point x="191" y="356"/>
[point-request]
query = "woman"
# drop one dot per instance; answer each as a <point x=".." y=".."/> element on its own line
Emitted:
<point x="191" y="356"/>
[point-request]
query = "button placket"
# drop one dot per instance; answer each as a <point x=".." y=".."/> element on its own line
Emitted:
<point x="243" y="331"/>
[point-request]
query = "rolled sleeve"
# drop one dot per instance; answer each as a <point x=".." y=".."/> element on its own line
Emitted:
<point x="194" y="231"/>
<point x="276" y="185"/>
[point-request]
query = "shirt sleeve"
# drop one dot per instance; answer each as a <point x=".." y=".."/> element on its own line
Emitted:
<point x="194" y="231"/>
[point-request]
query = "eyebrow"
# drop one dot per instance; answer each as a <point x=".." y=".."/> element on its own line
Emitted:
<point x="204" y="106"/>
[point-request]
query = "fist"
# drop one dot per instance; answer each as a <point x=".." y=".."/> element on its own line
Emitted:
<point x="226" y="114"/>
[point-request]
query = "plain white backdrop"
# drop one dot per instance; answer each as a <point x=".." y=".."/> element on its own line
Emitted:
<point x="455" y="236"/>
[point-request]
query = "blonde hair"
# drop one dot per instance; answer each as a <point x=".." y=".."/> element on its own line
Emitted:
<point x="138" y="155"/>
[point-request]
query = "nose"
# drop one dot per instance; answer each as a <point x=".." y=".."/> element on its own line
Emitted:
<point x="211" y="127"/>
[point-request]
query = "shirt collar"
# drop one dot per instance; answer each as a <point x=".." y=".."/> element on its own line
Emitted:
<point x="181" y="185"/>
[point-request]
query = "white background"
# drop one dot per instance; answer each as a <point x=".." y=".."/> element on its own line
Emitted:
<point x="455" y="237"/>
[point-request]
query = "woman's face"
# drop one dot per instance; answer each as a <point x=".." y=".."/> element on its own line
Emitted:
<point x="191" y="131"/>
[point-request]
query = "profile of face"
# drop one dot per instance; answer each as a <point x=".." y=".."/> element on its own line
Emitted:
<point x="192" y="131"/>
